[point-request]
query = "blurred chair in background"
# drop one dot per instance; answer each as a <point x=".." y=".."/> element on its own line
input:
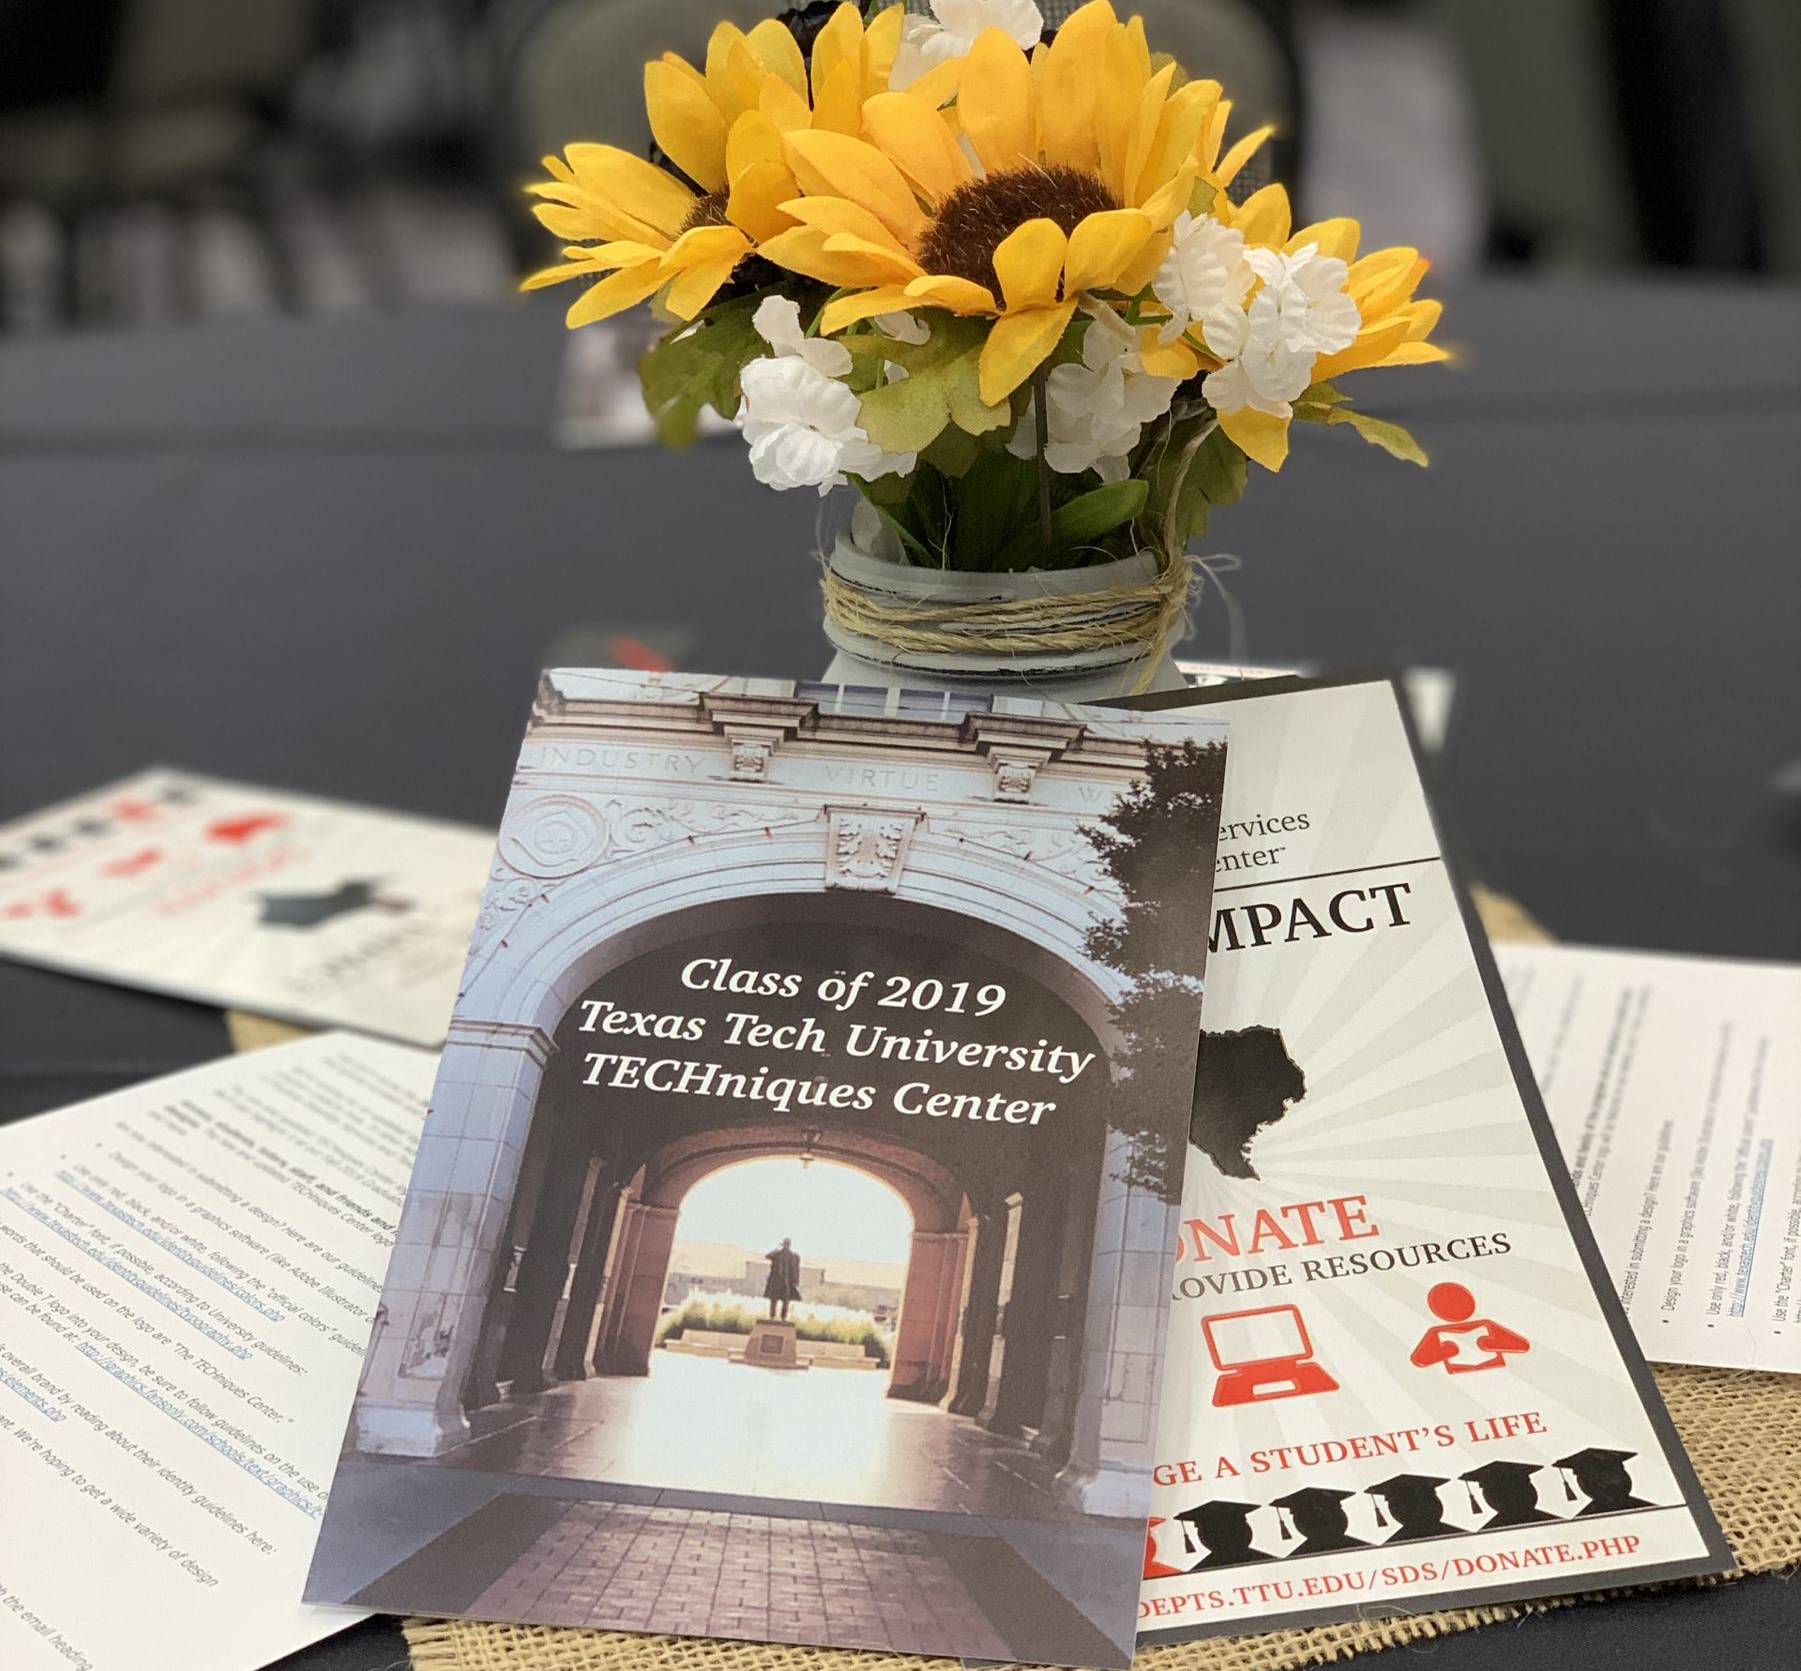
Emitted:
<point x="136" y="94"/>
<point x="1623" y="132"/>
<point x="161" y="94"/>
<point x="1766" y="42"/>
<point x="194" y="158"/>
<point x="1556" y="166"/>
<point x="164" y="159"/>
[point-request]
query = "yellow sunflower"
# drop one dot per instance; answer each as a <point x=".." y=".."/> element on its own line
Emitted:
<point x="653" y="231"/>
<point x="1056" y="177"/>
<point x="723" y="126"/>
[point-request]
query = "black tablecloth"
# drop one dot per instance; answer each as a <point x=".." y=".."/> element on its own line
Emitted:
<point x="333" y="555"/>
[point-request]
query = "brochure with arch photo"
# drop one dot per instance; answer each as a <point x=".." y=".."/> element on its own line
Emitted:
<point x="788" y="1252"/>
<point x="1399" y="1378"/>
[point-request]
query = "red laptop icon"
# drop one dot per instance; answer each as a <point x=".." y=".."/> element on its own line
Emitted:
<point x="1263" y="1354"/>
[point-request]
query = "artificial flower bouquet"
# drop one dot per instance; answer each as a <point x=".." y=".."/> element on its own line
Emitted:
<point x="997" y="280"/>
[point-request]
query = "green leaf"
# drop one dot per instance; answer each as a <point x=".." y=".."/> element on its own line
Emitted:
<point x="1215" y="476"/>
<point x="996" y="498"/>
<point x="1090" y="515"/>
<point x="1078" y="524"/>
<point x="1379" y="432"/>
<point x="941" y="387"/>
<point x="928" y="511"/>
<point x="954" y="452"/>
<point x="699" y="365"/>
<point x="1219" y="469"/>
<point x="1317" y="403"/>
<point x="887" y="490"/>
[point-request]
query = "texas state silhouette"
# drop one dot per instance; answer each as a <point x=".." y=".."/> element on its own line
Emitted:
<point x="1244" y="1082"/>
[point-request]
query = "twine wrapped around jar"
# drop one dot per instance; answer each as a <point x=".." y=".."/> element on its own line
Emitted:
<point x="1109" y="626"/>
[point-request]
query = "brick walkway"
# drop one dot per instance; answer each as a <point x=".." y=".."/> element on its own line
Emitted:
<point x="623" y="1567"/>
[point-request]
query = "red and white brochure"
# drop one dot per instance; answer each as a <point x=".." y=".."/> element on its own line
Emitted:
<point x="310" y="910"/>
<point x="1399" y="1378"/>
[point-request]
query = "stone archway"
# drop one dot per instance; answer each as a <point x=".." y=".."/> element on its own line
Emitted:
<point x="791" y="803"/>
<point x="597" y="1201"/>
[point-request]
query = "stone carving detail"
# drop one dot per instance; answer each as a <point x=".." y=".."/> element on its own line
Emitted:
<point x="634" y="827"/>
<point x="553" y="836"/>
<point x="557" y="835"/>
<point x="1013" y="777"/>
<point x="1064" y="850"/>
<point x="867" y="848"/>
<point x="506" y="897"/>
<point x="750" y="758"/>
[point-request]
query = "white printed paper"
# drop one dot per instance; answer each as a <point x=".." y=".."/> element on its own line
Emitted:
<point x="313" y="911"/>
<point x="188" y="1272"/>
<point x="1673" y="1083"/>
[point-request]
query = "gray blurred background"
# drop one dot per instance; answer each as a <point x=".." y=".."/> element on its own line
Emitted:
<point x="184" y="159"/>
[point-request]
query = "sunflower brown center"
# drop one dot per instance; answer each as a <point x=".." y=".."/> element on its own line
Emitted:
<point x="979" y="216"/>
<point x="707" y="211"/>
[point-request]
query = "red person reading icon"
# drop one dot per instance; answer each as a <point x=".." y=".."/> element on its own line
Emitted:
<point x="1462" y="1341"/>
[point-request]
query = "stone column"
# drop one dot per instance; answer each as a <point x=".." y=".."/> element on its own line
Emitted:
<point x="1114" y="1429"/>
<point x="951" y="1277"/>
<point x="544" y="1271"/>
<point x="576" y="1343"/>
<point x="637" y="1300"/>
<point x="982" y="1292"/>
<point x="919" y="1334"/>
<point x="620" y="1260"/>
<point x="482" y="1387"/>
<point x="1030" y="1314"/>
<point x="954" y="1363"/>
<point x="1065" y="1334"/>
<point x="449" y="1239"/>
<point x="997" y="1351"/>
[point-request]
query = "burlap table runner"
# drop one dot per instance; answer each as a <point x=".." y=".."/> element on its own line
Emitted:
<point x="1742" y="1430"/>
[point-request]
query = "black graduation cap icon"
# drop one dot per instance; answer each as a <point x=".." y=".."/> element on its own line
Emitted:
<point x="1225" y="1527"/>
<point x="1316" y="1514"/>
<point x="1600" y="1475"/>
<point x="1508" y="1488"/>
<point x="1412" y="1504"/>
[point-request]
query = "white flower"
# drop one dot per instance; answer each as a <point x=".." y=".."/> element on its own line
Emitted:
<point x="1259" y="371"/>
<point x="952" y="29"/>
<point x="777" y="322"/>
<point x="800" y="420"/>
<point x="1098" y="409"/>
<point x="1205" y="268"/>
<point x="1303" y="302"/>
<point x="1270" y="349"/>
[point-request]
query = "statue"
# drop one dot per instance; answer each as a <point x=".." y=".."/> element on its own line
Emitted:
<point x="783" y="1286"/>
